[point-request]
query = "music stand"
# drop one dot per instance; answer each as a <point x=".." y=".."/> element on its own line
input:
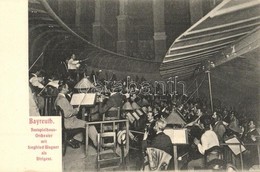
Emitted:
<point x="178" y="137"/>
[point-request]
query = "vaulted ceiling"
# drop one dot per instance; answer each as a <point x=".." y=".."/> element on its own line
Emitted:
<point x="52" y="40"/>
<point x="231" y="29"/>
<point x="226" y="40"/>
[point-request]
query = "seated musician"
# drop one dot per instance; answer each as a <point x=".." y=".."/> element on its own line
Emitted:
<point x="70" y="119"/>
<point x="114" y="101"/>
<point x="36" y="81"/>
<point x="194" y="132"/>
<point x="160" y="141"/>
<point x="33" y="108"/>
<point x="36" y="84"/>
<point x="208" y="140"/>
<point x="251" y="137"/>
<point x="219" y="127"/>
<point x="150" y="125"/>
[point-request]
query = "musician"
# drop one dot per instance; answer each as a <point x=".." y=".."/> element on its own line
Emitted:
<point x="150" y="125"/>
<point x="73" y="65"/>
<point x="234" y="127"/>
<point x="209" y="137"/>
<point x="36" y="87"/>
<point x="33" y="108"/>
<point x="70" y="120"/>
<point x="219" y="127"/>
<point x="114" y="101"/>
<point x="250" y="137"/>
<point x="37" y="81"/>
<point x="208" y="140"/>
<point x="195" y="131"/>
<point x="160" y="140"/>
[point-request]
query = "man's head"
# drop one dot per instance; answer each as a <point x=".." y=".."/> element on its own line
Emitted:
<point x="150" y="117"/>
<point x="232" y="115"/>
<point x="251" y="125"/>
<point x="206" y="121"/>
<point x="199" y="112"/>
<point x="216" y="117"/>
<point x="64" y="88"/>
<point x="73" y="56"/>
<point x="160" y="125"/>
<point x="155" y="111"/>
<point x="37" y="81"/>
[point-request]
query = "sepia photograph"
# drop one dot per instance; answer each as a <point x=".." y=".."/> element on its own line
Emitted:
<point x="144" y="85"/>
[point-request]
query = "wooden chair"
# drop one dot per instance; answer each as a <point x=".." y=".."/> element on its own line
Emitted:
<point x="107" y="158"/>
<point x="112" y="114"/>
<point x="65" y="131"/>
<point x="214" y="157"/>
<point x="158" y="160"/>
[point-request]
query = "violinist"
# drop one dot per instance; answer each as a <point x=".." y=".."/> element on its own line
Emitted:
<point x="208" y="140"/>
<point x="150" y="125"/>
<point x="36" y="87"/>
<point x="195" y="131"/>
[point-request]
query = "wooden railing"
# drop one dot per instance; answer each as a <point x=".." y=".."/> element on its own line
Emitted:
<point x="115" y="127"/>
<point x="229" y="156"/>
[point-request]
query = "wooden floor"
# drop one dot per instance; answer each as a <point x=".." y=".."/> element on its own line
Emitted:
<point x="76" y="161"/>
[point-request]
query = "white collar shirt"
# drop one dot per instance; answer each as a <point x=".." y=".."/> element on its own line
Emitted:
<point x="208" y="140"/>
<point x="72" y="64"/>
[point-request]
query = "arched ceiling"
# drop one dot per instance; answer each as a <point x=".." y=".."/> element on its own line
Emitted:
<point x="226" y="41"/>
<point x="229" y="30"/>
<point x="52" y="41"/>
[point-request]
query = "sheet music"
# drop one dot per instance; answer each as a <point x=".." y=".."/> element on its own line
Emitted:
<point x="178" y="136"/>
<point x="83" y="99"/>
<point x="235" y="148"/>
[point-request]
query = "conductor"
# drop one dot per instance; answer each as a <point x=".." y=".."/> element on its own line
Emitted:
<point x="73" y="65"/>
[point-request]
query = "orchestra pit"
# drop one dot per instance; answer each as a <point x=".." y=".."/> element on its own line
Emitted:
<point x="148" y="85"/>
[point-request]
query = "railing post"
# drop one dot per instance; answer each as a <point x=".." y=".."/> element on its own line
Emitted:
<point x="86" y="139"/>
<point x="210" y="91"/>
<point x="175" y="157"/>
<point x="258" y="150"/>
<point x="241" y="158"/>
<point x="127" y="143"/>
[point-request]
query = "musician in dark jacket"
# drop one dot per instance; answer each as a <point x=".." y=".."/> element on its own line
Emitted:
<point x="160" y="141"/>
<point x="251" y="137"/>
<point x="114" y="101"/>
<point x="150" y="126"/>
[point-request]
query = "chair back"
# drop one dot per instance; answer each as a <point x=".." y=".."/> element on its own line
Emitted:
<point x="158" y="159"/>
<point x="106" y="140"/>
<point x="60" y="112"/>
<point x="107" y="156"/>
<point x="213" y="153"/>
<point x="112" y="114"/>
<point x="48" y="105"/>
